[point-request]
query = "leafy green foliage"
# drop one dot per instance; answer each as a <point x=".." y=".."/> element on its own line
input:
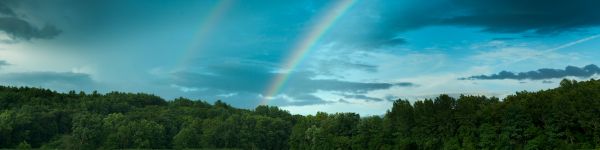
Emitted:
<point x="567" y="117"/>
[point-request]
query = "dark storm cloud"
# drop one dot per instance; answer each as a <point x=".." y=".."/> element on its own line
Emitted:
<point x="19" y="28"/>
<point x="499" y="16"/>
<point x="541" y="16"/>
<point x="540" y="74"/>
<point x="253" y="76"/>
<point x="5" y="9"/>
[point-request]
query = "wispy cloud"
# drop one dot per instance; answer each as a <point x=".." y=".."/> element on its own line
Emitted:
<point x="361" y="97"/>
<point x="184" y="89"/>
<point x="547" y="51"/>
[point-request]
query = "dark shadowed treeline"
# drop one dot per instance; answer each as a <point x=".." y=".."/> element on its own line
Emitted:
<point x="567" y="117"/>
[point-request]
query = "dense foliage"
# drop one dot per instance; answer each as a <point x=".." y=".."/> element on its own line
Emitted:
<point x="567" y="117"/>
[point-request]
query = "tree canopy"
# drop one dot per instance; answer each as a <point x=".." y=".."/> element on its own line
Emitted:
<point x="567" y="117"/>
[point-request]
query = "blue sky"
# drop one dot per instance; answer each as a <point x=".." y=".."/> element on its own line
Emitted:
<point x="370" y="53"/>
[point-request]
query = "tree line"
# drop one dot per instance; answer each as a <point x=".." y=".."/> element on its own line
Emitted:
<point x="567" y="117"/>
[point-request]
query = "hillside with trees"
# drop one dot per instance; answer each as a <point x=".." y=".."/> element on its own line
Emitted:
<point x="567" y="117"/>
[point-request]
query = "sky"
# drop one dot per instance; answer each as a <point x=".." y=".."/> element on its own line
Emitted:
<point x="302" y="55"/>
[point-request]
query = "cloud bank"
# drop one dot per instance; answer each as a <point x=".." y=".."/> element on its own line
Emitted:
<point x="541" y="74"/>
<point x="248" y="78"/>
<point x="48" y="79"/>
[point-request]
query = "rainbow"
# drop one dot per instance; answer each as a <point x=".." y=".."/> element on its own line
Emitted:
<point x="304" y="45"/>
<point x="207" y="25"/>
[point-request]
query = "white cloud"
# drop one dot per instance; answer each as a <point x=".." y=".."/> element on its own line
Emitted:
<point x="434" y="72"/>
<point x="364" y="109"/>
<point x="510" y="54"/>
<point x="355" y="64"/>
<point x="227" y="95"/>
<point x="184" y="88"/>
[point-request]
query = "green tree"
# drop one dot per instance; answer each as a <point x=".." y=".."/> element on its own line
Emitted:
<point x="87" y="131"/>
<point x="137" y="134"/>
<point x="24" y="145"/>
<point x="370" y="133"/>
<point x="190" y="136"/>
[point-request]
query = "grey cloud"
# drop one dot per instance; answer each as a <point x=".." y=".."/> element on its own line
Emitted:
<point x="254" y="77"/>
<point x="453" y="95"/>
<point x="500" y="16"/>
<point x="251" y="100"/>
<point x="547" y="81"/>
<point x="3" y="63"/>
<point x="362" y="97"/>
<point x="19" y="28"/>
<point x="503" y="39"/>
<point x="540" y="74"/>
<point x="333" y="66"/>
<point x="62" y="81"/>
<point x="299" y="100"/>
<point x="6" y="10"/>
<point x="405" y="84"/>
<point x="349" y="65"/>
<point x="344" y="101"/>
<point x="230" y="75"/>
<point x="391" y="98"/>
<point x="541" y="16"/>
<point x="303" y="84"/>
<point x="392" y="42"/>
<point x="382" y="41"/>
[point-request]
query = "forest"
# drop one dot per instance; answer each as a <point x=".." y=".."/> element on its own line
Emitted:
<point x="566" y="117"/>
